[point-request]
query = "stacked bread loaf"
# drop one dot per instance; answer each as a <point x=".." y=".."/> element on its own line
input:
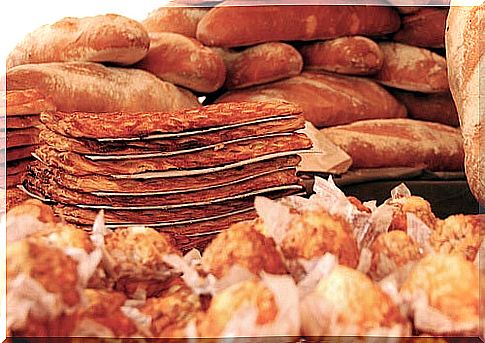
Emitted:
<point x="21" y="136"/>
<point x="191" y="173"/>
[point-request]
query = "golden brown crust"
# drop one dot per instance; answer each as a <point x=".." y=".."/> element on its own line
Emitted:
<point x="242" y="245"/>
<point x="23" y="122"/>
<point x="354" y="55"/>
<point x="36" y="209"/>
<point x="290" y="23"/>
<point x="18" y="166"/>
<point x="26" y="102"/>
<point x="412" y="68"/>
<point x="313" y="234"/>
<point x="104" y="38"/>
<point x="19" y="153"/>
<point x="14" y="197"/>
<point x="424" y="28"/>
<point x="414" y="205"/>
<point x="99" y="183"/>
<point x="22" y="137"/>
<point x="458" y="234"/>
<point x="181" y="20"/>
<point x="93" y="147"/>
<point x="327" y="99"/>
<point x="260" y="64"/>
<point x="231" y="153"/>
<point x="184" y="61"/>
<point x="399" y="143"/>
<point x="139" y="124"/>
<point x="92" y="87"/>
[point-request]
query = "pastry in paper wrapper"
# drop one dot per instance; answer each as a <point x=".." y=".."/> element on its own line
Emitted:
<point x="347" y="302"/>
<point x="266" y="307"/>
<point x="442" y="295"/>
<point x="133" y="259"/>
<point x="390" y="251"/>
<point x="242" y="244"/>
<point x="460" y="234"/>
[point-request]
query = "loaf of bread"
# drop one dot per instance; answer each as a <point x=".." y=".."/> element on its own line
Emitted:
<point x="327" y="99"/>
<point x="104" y="38"/>
<point x="181" y="20"/>
<point x="184" y="61"/>
<point x="438" y="108"/>
<point x="466" y="62"/>
<point x="91" y="87"/>
<point x="412" y="68"/>
<point x="230" y="26"/>
<point x="425" y="28"/>
<point x="354" y="55"/>
<point x="26" y="102"/>
<point x="400" y="143"/>
<point x="260" y="64"/>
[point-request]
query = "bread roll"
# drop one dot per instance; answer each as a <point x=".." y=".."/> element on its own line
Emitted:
<point x="327" y="99"/>
<point x="260" y="64"/>
<point x="438" y="108"/>
<point x="353" y="55"/>
<point x="400" y="143"/>
<point x="184" y="61"/>
<point x="181" y="20"/>
<point x="466" y="62"/>
<point x="104" y="38"/>
<point x="425" y="28"/>
<point x="411" y="68"/>
<point x="231" y="26"/>
<point x="26" y="102"/>
<point x="91" y="87"/>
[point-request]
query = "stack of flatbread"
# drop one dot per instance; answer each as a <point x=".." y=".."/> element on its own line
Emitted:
<point x="191" y="173"/>
<point x="21" y="138"/>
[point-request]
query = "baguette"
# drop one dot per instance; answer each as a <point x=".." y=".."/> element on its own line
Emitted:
<point x="400" y="143"/>
<point x="26" y="103"/>
<point x="412" y="68"/>
<point x="104" y="38"/>
<point x="466" y="62"/>
<point x="184" y="61"/>
<point x="91" y="87"/>
<point x="425" y="28"/>
<point x="438" y="108"/>
<point x="182" y="20"/>
<point x="231" y="26"/>
<point x="327" y="99"/>
<point x="260" y="64"/>
<point x="353" y="55"/>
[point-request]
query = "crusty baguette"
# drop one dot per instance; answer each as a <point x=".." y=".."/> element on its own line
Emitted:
<point x="104" y="38"/>
<point x="327" y="99"/>
<point x="260" y="64"/>
<point x="400" y="143"/>
<point x="231" y="26"/>
<point x="184" y="61"/>
<point x="354" y="55"/>
<point x="181" y="20"/>
<point x="91" y="87"/>
<point x="25" y="103"/>
<point x="425" y="28"/>
<point x="412" y="68"/>
<point x="466" y="62"/>
<point x="438" y="108"/>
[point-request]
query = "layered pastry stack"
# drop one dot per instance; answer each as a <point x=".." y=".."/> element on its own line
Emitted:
<point x="21" y="137"/>
<point x="191" y="173"/>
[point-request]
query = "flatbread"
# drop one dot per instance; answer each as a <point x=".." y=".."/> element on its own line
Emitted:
<point x="22" y="122"/>
<point x="22" y="137"/>
<point x="94" y="147"/>
<point x="76" y="164"/>
<point x="19" y="166"/>
<point x="134" y="125"/>
<point x="14" y="154"/>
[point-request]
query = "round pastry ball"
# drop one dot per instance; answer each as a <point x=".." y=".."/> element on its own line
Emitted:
<point x="449" y="282"/>
<point x="458" y="234"/>
<point x="242" y="244"/>
<point x="315" y="233"/>
<point x="226" y="304"/>
<point x="356" y="304"/>
<point x="390" y="251"/>
<point x="412" y="204"/>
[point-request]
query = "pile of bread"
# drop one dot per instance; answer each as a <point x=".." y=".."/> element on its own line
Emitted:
<point x="191" y="173"/>
<point x="325" y="266"/>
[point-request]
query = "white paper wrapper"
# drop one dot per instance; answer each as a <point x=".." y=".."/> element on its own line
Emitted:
<point x="20" y="226"/>
<point x="419" y="232"/>
<point x="315" y="271"/>
<point x="401" y="191"/>
<point x="276" y="218"/>
<point x="365" y="260"/>
<point x="378" y="222"/>
<point x="287" y="321"/>
<point x="142" y="322"/>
